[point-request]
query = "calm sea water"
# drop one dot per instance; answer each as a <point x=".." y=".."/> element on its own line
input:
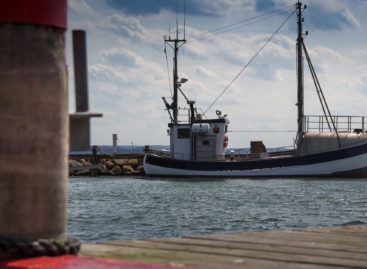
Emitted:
<point x="111" y="208"/>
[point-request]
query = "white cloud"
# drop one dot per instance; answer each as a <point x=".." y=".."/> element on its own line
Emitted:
<point x="81" y="6"/>
<point x="221" y="7"/>
<point x="127" y="57"/>
<point x="351" y="18"/>
<point x="128" y="76"/>
<point x="106" y="73"/>
<point x="126" y="25"/>
<point x="202" y="71"/>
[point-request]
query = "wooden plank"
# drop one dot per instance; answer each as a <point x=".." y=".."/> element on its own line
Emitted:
<point x="328" y="238"/>
<point x="275" y="248"/>
<point x="186" y="259"/>
<point x="361" y="230"/>
<point x="280" y="255"/>
<point x="340" y="247"/>
<point x="300" y="236"/>
<point x="283" y="242"/>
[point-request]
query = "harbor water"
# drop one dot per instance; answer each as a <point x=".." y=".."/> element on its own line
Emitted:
<point x="116" y="208"/>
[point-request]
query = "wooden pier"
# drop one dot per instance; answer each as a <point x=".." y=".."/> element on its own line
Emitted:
<point x="339" y="247"/>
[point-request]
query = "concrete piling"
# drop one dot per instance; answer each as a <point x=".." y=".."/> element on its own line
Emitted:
<point x="33" y="119"/>
<point x="80" y="70"/>
<point x="80" y="120"/>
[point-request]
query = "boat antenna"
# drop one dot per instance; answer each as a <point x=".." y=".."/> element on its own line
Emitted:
<point x="176" y="44"/>
<point x="184" y="19"/>
<point x="176" y="21"/>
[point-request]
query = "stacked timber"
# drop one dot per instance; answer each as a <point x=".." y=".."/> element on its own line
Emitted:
<point x="106" y="167"/>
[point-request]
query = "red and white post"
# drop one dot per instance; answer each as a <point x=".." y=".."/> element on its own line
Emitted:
<point x="34" y="125"/>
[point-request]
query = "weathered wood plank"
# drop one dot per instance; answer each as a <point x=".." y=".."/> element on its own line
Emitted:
<point x="282" y="242"/>
<point x="340" y="247"/>
<point x="300" y="236"/>
<point x="186" y="259"/>
<point x="279" y="256"/>
<point x="264" y="247"/>
<point x="358" y="230"/>
<point x="329" y="239"/>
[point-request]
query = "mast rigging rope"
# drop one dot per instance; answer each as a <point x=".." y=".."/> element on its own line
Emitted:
<point x="243" y="69"/>
<point x="270" y="131"/>
<point x="169" y="78"/>
<point x="241" y="23"/>
<point x="321" y="95"/>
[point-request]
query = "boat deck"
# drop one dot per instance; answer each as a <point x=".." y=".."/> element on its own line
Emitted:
<point x="338" y="247"/>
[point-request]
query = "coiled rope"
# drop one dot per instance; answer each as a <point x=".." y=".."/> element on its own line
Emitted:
<point x="11" y="248"/>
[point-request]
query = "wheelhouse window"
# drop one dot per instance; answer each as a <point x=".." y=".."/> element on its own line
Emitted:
<point x="183" y="133"/>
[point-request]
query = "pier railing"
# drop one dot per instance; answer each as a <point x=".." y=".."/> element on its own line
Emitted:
<point x="318" y="123"/>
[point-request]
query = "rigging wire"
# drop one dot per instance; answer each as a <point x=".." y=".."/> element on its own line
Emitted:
<point x="262" y="47"/>
<point x="241" y="23"/>
<point x="275" y="131"/>
<point x="169" y="77"/>
<point x="250" y="23"/>
<point x="321" y="94"/>
<point x="317" y="86"/>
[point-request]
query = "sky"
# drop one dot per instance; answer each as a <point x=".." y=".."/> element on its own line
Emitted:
<point x="128" y="75"/>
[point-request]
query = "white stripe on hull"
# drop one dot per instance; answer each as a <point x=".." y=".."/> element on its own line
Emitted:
<point x="325" y="168"/>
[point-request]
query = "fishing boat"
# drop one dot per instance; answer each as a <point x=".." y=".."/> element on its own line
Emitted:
<point x="325" y="146"/>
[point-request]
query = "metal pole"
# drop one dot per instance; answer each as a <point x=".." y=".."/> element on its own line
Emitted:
<point x="175" y="95"/>
<point x="300" y="87"/>
<point x="175" y="48"/>
<point x="362" y="124"/>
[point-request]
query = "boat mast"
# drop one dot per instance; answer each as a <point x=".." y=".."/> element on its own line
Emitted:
<point x="177" y="43"/>
<point x="300" y="87"/>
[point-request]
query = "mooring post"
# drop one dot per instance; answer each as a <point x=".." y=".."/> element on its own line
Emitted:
<point x="114" y="143"/>
<point x="95" y="161"/>
<point x="33" y="119"/>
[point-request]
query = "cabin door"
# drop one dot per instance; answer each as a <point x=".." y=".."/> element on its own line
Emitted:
<point x="205" y="148"/>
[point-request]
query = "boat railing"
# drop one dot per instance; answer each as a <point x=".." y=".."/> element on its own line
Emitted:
<point x="183" y="115"/>
<point x="160" y="152"/>
<point x="164" y="153"/>
<point x="239" y="155"/>
<point x="319" y="123"/>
